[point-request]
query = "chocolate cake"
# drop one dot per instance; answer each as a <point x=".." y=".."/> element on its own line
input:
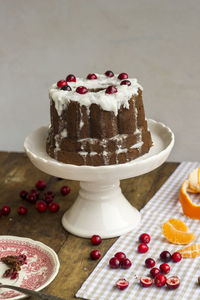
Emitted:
<point x="97" y="121"/>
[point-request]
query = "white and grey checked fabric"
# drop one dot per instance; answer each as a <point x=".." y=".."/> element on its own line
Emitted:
<point x="163" y="206"/>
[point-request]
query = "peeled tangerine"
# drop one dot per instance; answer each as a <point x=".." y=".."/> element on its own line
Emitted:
<point x="176" y="232"/>
<point x="190" y="251"/>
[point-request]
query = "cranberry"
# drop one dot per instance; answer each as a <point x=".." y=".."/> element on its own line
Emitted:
<point x="40" y="185"/>
<point x="22" y="210"/>
<point x="114" y="263"/>
<point x="123" y="76"/>
<point x="41" y="206"/>
<point x="150" y="262"/>
<point x="160" y="280"/>
<point x="125" y="82"/>
<point x="71" y="78"/>
<point x="7" y="273"/>
<point x="165" y="256"/>
<point x="81" y="90"/>
<point x="34" y="191"/>
<point x="92" y="76"/>
<point x="143" y="248"/>
<point x="111" y="90"/>
<point x="66" y="88"/>
<point x="22" y="259"/>
<point x="95" y="254"/>
<point x="5" y="210"/>
<point x="154" y="272"/>
<point x="14" y="275"/>
<point x="173" y="282"/>
<point x="61" y="83"/>
<point x="0" y="212"/>
<point x="120" y="255"/>
<point x="48" y="198"/>
<point x="109" y="73"/>
<point x="144" y="238"/>
<point x="126" y="263"/>
<point x="176" y="257"/>
<point x="65" y="190"/>
<point x="165" y="268"/>
<point x="50" y="193"/>
<point x="146" y="281"/>
<point x="23" y="194"/>
<point x="96" y="239"/>
<point x="53" y="207"/>
<point x="122" y="284"/>
<point x="32" y="197"/>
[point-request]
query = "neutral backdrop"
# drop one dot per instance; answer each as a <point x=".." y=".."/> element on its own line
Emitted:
<point x="158" y="42"/>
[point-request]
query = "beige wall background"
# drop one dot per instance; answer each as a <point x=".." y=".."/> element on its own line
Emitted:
<point x="41" y="41"/>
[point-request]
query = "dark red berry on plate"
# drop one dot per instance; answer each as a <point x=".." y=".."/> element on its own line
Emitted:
<point x="165" y="268"/>
<point x="125" y="82"/>
<point x="95" y="254"/>
<point x="5" y="210"/>
<point x="143" y="248"/>
<point x="41" y="206"/>
<point x="14" y="275"/>
<point x="23" y="194"/>
<point x="92" y="76"/>
<point x="66" y="88"/>
<point x="111" y="90"/>
<point x="173" y="282"/>
<point x="81" y="90"/>
<point x="96" y="239"/>
<point x="154" y="272"/>
<point x="126" y="263"/>
<point x="40" y="185"/>
<point x="61" y="83"/>
<point x="150" y="262"/>
<point x="144" y="238"/>
<point x="22" y="210"/>
<point x="32" y="197"/>
<point x="22" y="259"/>
<point x="109" y="73"/>
<point x="122" y="284"/>
<point x="7" y="273"/>
<point x="120" y="255"/>
<point x="114" y="263"/>
<point x="176" y="257"/>
<point x="65" y="190"/>
<point x="53" y="207"/>
<point x="71" y="78"/>
<point x="160" y="280"/>
<point x="146" y="281"/>
<point x="123" y="76"/>
<point x="165" y="256"/>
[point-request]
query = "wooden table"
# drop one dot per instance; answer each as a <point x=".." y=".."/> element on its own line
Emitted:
<point x="17" y="173"/>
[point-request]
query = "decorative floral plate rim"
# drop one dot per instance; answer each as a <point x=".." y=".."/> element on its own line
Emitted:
<point x="37" y="251"/>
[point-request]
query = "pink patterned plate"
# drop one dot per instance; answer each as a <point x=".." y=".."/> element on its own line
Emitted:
<point x="41" y="268"/>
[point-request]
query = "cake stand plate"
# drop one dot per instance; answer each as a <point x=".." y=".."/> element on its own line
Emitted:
<point x="101" y="207"/>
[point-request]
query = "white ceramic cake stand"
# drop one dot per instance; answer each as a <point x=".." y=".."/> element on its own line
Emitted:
<point x="101" y="207"/>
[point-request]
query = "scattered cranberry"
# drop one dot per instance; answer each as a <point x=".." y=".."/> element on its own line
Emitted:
<point x="23" y="194"/>
<point x="66" y="88"/>
<point x="71" y="78"/>
<point x="143" y="248"/>
<point x="61" y="83"/>
<point x="14" y="275"/>
<point x="122" y="284"/>
<point x="173" y="282"/>
<point x="114" y="263"/>
<point x="120" y="255"/>
<point x="146" y="281"/>
<point x="126" y="263"/>
<point x="0" y="212"/>
<point x="65" y="190"/>
<point x="125" y="82"/>
<point x="36" y="192"/>
<point x="165" y="256"/>
<point x="41" y="206"/>
<point x="111" y="90"/>
<point x="40" y="185"/>
<point x="154" y="272"/>
<point x="52" y="194"/>
<point x="144" y="238"/>
<point x="81" y="90"/>
<point x="150" y="262"/>
<point x="32" y="197"/>
<point x="176" y="257"/>
<point x="123" y="76"/>
<point x="48" y="199"/>
<point x="165" y="268"/>
<point x="54" y="207"/>
<point x="109" y="73"/>
<point x="92" y="76"/>
<point x="22" y="210"/>
<point x="160" y="280"/>
<point x="5" y="210"/>
<point x="96" y="239"/>
<point x="95" y="254"/>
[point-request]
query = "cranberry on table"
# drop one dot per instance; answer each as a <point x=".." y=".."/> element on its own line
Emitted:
<point x="41" y="206"/>
<point x="176" y="257"/>
<point x="0" y="212"/>
<point x="150" y="262"/>
<point x="40" y="185"/>
<point x="48" y="199"/>
<point x="125" y="82"/>
<point x="122" y="284"/>
<point x="165" y="256"/>
<point x="144" y="238"/>
<point x="126" y="263"/>
<point x="154" y="272"/>
<point x="109" y="73"/>
<point x="143" y="248"/>
<point x="66" y="88"/>
<point x="5" y="210"/>
<point x="22" y="210"/>
<point x="53" y="207"/>
<point x="160" y="280"/>
<point x="146" y="281"/>
<point x="114" y="263"/>
<point x="61" y="83"/>
<point x="123" y="76"/>
<point x="71" y="78"/>
<point x="165" y="268"/>
<point x="96" y="239"/>
<point x="23" y="194"/>
<point x="35" y="192"/>
<point x="92" y="76"/>
<point x="173" y="282"/>
<point x="95" y="254"/>
<point x="111" y="90"/>
<point x="120" y="255"/>
<point x="65" y="190"/>
<point x="81" y="90"/>
<point x="32" y="197"/>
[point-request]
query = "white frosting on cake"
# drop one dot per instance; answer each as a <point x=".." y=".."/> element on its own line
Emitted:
<point x="108" y="102"/>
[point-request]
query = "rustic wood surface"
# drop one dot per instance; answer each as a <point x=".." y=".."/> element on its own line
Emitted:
<point x="17" y="173"/>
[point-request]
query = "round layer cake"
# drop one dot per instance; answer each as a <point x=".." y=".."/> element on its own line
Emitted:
<point x="97" y="121"/>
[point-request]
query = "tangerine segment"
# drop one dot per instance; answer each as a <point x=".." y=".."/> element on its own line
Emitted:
<point x="189" y="208"/>
<point x="190" y="251"/>
<point x="194" y="180"/>
<point x="178" y="224"/>
<point x="176" y="236"/>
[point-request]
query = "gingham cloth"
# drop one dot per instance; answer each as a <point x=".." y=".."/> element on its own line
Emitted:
<point x="163" y="206"/>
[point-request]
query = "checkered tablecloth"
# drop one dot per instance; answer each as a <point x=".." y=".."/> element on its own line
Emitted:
<point x="163" y="206"/>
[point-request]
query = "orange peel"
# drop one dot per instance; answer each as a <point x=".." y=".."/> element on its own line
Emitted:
<point x="189" y="208"/>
